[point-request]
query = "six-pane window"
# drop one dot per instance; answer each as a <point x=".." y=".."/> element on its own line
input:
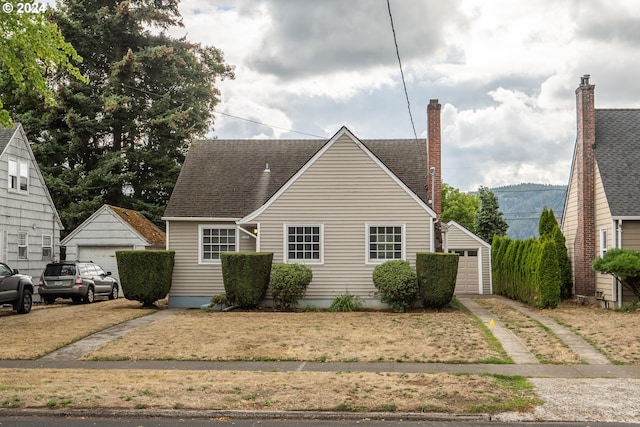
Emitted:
<point x="303" y="243"/>
<point x="216" y="241"/>
<point x="385" y="243"/>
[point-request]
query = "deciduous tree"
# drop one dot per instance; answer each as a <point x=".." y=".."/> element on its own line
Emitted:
<point x="459" y="207"/>
<point x="31" y="47"/>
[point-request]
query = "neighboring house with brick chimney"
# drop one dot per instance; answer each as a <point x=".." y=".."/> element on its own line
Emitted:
<point x="340" y="206"/>
<point x="602" y="209"/>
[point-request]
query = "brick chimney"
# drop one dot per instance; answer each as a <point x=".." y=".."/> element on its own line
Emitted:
<point x="585" y="241"/>
<point x="434" y="156"/>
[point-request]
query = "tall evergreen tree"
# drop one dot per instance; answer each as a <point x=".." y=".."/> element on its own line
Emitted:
<point x="549" y="228"/>
<point x="122" y="137"/>
<point x="488" y="220"/>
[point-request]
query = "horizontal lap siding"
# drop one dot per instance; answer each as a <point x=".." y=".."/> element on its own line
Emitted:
<point x="458" y="239"/>
<point x="189" y="277"/>
<point x="343" y="190"/>
<point x="570" y="217"/>
<point x="603" y="220"/>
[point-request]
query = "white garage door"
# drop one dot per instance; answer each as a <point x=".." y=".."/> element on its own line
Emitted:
<point x="467" y="281"/>
<point x="104" y="256"/>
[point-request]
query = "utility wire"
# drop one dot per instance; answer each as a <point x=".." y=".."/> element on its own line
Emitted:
<point x="229" y="115"/>
<point x="406" y="94"/>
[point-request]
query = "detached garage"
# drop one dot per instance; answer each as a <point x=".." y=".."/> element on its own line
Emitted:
<point x="474" y="265"/>
<point x="108" y="230"/>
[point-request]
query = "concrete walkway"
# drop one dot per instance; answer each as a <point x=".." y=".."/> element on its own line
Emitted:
<point x="526" y="364"/>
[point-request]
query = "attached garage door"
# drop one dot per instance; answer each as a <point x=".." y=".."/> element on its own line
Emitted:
<point x="104" y="256"/>
<point x="467" y="281"/>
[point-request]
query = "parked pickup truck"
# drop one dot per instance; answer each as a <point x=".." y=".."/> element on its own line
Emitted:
<point x="15" y="289"/>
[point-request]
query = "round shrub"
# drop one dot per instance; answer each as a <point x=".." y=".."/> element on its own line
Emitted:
<point x="289" y="283"/>
<point x="397" y="284"/>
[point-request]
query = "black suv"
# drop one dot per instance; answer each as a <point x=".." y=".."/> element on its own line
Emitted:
<point x="15" y="289"/>
<point x="76" y="280"/>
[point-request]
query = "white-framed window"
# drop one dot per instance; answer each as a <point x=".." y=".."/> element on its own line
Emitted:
<point x="385" y="242"/>
<point x="216" y="239"/>
<point x="603" y="241"/>
<point x="47" y="246"/>
<point x="304" y="243"/>
<point x="18" y="175"/>
<point x="23" y="245"/>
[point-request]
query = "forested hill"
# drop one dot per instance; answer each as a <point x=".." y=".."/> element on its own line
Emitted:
<point x="522" y="204"/>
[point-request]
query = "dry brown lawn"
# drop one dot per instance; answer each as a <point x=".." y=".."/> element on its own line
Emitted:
<point x="616" y="334"/>
<point x="274" y="391"/>
<point x="47" y="328"/>
<point x="449" y="336"/>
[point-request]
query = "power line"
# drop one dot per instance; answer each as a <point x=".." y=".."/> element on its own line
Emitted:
<point x="404" y="84"/>
<point x="229" y="115"/>
<point x="268" y="125"/>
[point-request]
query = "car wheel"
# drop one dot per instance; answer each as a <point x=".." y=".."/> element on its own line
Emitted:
<point x="114" y="292"/>
<point x="26" y="302"/>
<point x="91" y="296"/>
<point x="49" y="300"/>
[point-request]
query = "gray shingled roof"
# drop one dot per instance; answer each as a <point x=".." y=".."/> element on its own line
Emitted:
<point x="226" y="179"/>
<point x="617" y="152"/>
<point x="5" y="137"/>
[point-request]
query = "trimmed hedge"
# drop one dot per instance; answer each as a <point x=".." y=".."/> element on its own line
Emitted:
<point x="145" y="276"/>
<point x="397" y="284"/>
<point x="527" y="270"/>
<point x="246" y="276"/>
<point x="289" y="283"/>
<point x="437" y="274"/>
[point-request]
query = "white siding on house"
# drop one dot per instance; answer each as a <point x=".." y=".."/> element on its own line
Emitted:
<point x="30" y="212"/>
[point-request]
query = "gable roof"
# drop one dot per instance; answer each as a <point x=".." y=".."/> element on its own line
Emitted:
<point x="466" y="231"/>
<point x="137" y="223"/>
<point x="5" y="136"/>
<point x="617" y="153"/>
<point x="141" y="224"/>
<point x="227" y="178"/>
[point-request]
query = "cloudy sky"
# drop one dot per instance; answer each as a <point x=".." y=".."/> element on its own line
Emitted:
<point x="505" y="72"/>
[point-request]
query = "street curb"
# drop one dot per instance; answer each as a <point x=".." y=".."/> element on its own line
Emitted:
<point x="214" y="414"/>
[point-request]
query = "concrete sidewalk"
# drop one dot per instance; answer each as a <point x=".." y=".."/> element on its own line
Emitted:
<point x="526" y="364"/>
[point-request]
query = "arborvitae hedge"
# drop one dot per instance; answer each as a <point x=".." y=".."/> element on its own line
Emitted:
<point x="437" y="274"/>
<point x="246" y="276"/>
<point x="526" y="270"/>
<point x="145" y="276"/>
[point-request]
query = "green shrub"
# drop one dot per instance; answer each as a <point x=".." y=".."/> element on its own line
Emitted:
<point x="145" y="276"/>
<point x="346" y="302"/>
<point x="289" y="283"/>
<point x="436" y="278"/>
<point x="246" y="276"/>
<point x="397" y="284"/>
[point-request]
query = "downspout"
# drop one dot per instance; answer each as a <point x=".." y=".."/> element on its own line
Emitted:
<point x="432" y="235"/>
